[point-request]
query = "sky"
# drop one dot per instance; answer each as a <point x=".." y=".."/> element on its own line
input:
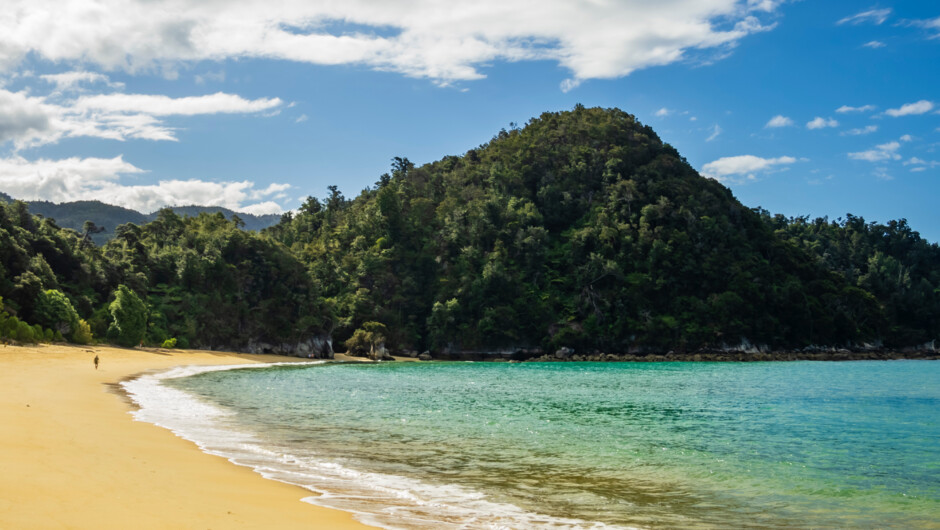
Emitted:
<point x="802" y="107"/>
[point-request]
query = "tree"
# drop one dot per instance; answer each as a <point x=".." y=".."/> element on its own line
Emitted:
<point x="54" y="311"/>
<point x="130" y="317"/>
<point x="369" y="339"/>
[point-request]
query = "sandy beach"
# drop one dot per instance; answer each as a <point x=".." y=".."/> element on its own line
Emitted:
<point x="71" y="455"/>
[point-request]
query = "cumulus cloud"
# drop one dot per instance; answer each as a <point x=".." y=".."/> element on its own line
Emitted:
<point x="30" y="121"/>
<point x="418" y="38"/>
<point x="868" y="129"/>
<point x="821" y="123"/>
<point x="864" y="108"/>
<point x="22" y="116"/>
<point x="663" y="112"/>
<point x="74" y="179"/>
<point x="779" y="121"/>
<point x="911" y="109"/>
<point x="875" y="16"/>
<point x="743" y="167"/>
<point x="887" y="151"/>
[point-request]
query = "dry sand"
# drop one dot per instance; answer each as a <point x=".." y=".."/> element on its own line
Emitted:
<point x="71" y="455"/>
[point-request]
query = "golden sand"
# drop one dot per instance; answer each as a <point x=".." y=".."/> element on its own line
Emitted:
<point x="71" y="455"/>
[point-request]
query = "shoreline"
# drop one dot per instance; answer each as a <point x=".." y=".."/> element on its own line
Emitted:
<point x="567" y="355"/>
<point x="73" y="456"/>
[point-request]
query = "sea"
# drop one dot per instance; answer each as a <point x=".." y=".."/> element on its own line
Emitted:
<point x="440" y="445"/>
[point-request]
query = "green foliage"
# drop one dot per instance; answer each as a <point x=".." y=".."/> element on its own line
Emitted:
<point x="130" y="317"/>
<point x="169" y="344"/>
<point x="582" y="229"/>
<point x="81" y="334"/>
<point x="55" y="311"/>
<point x="367" y="338"/>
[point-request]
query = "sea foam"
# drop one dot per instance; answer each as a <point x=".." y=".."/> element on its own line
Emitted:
<point x="383" y="500"/>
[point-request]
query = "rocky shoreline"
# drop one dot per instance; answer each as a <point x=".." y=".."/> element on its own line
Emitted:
<point x="928" y="352"/>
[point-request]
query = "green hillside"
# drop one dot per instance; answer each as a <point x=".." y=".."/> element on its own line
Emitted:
<point x="583" y="230"/>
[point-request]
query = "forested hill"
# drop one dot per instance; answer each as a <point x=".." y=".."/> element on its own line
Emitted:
<point x="582" y="230"/>
<point x="585" y="230"/>
<point x="108" y="217"/>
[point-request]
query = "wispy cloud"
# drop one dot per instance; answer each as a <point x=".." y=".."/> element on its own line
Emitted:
<point x="74" y="79"/>
<point x="73" y="179"/>
<point x="864" y="108"/>
<point x="821" y="123"/>
<point x="663" y="112"/>
<point x="886" y="151"/>
<point x="874" y="16"/>
<point x="779" y="121"/>
<point x="931" y="24"/>
<point x="868" y="129"/>
<point x="207" y="77"/>
<point x="30" y="121"/>
<point x="716" y="130"/>
<point x="874" y="44"/>
<point x="744" y="167"/>
<point x="911" y="109"/>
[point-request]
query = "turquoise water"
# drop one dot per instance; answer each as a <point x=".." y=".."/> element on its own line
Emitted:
<point x="797" y="444"/>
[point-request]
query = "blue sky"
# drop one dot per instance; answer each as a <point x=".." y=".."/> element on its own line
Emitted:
<point x="801" y="107"/>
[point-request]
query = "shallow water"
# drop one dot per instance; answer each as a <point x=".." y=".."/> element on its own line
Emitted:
<point x="411" y="445"/>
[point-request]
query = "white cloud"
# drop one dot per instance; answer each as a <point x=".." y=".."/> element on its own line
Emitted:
<point x="907" y="138"/>
<point x="868" y="129"/>
<point x="716" y="130"/>
<point x="932" y="24"/>
<point x="921" y="107"/>
<point x="821" y="123"/>
<point x="779" y="121"/>
<point x="875" y="16"/>
<point x="302" y="118"/>
<point x="159" y="105"/>
<point x="874" y="44"/>
<point x="72" y="80"/>
<point x="663" y="112"/>
<point x="744" y="167"/>
<point x="32" y="121"/>
<point x="921" y="165"/>
<point x="74" y="179"/>
<point x="887" y="151"/>
<point x="418" y="38"/>
<point x="22" y="116"/>
<point x="864" y="108"/>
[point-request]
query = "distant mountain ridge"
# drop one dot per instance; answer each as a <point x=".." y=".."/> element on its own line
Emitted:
<point x="74" y="214"/>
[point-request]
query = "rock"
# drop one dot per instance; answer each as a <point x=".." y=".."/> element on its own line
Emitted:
<point x="425" y="357"/>
<point x="564" y="353"/>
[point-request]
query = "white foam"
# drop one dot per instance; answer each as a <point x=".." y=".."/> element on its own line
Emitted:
<point x="382" y="500"/>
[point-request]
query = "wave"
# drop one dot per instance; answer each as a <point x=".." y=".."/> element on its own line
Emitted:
<point x="383" y="500"/>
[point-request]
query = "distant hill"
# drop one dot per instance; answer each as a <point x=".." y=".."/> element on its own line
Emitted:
<point x="74" y="214"/>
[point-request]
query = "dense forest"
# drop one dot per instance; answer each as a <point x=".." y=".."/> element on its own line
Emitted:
<point x="581" y="230"/>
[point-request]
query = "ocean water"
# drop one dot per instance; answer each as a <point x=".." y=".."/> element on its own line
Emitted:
<point x="578" y="445"/>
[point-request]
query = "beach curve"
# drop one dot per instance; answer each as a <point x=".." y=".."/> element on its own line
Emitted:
<point x="71" y="455"/>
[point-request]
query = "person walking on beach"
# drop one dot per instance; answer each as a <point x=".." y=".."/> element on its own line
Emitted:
<point x="96" y="362"/>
